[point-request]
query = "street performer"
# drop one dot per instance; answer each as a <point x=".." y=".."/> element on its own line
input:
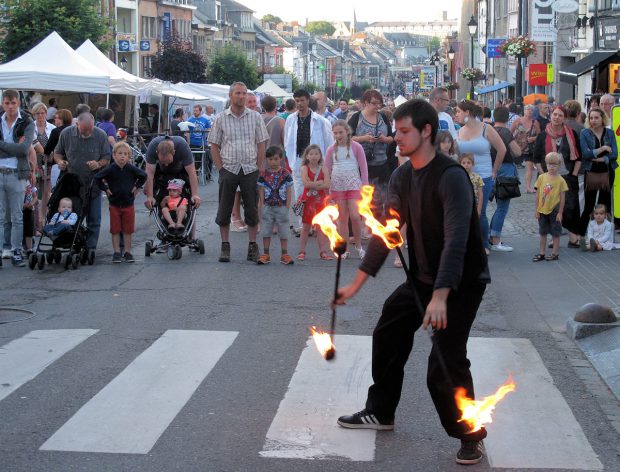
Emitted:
<point x="449" y="271"/>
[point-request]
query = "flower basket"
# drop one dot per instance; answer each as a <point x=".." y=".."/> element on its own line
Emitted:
<point x="520" y="46"/>
<point x="452" y="86"/>
<point x="472" y="73"/>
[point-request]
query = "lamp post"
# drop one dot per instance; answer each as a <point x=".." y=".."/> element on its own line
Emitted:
<point x="451" y="58"/>
<point x="473" y="27"/>
<point x="436" y="60"/>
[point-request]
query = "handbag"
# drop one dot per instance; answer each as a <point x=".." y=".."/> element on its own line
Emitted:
<point x="597" y="181"/>
<point x="507" y="187"/>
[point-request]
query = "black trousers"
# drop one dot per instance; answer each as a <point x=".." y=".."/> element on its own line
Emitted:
<point x="392" y="341"/>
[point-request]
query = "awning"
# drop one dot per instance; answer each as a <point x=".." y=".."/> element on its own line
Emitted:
<point x="494" y="87"/>
<point x="570" y="73"/>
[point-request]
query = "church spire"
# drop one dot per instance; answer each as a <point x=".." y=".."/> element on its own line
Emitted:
<point x="354" y="24"/>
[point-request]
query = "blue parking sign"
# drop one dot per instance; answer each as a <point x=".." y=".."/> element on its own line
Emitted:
<point x="145" y="45"/>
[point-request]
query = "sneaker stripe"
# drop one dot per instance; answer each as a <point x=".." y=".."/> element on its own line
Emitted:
<point x="305" y="400"/>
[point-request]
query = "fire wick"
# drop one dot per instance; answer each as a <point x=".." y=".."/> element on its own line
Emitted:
<point x="340" y="248"/>
<point x="420" y="308"/>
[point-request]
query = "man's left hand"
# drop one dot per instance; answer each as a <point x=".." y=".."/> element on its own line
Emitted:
<point x="196" y="200"/>
<point x="93" y="165"/>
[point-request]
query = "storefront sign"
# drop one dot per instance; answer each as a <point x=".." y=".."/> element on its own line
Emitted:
<point x="167" y="24"/>
<point x="565" y="6"/>
<point x="609" y="33"/>
<point x="537" y="74"/>
<point x="543" y="27"/>
<point x="145" y="45"/>
<point x="493" y="45"/>
<point x="427" y="78"/>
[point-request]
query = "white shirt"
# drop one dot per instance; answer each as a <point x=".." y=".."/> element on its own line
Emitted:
<point x="7" y="134"/>
<point x="320" y="134"/>
<point x="446" y="123"/>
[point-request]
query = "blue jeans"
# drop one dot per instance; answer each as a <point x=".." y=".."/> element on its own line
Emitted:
<point x="93" y="221"/>
<point x="12" y="192"/>
<point x="484" y="222"/>
<point x="497" y="221"/>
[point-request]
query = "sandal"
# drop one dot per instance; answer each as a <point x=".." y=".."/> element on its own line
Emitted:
<point x="538" y="258"/>
<point x="552" y="257"/>
<point x="301" y="256"/>
<point x="325" y="256"/>
<point x="238" y="226"/>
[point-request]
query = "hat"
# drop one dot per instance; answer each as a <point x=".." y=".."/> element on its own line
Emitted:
<point x="186" y="125"/>
<point x="176" y="184"/>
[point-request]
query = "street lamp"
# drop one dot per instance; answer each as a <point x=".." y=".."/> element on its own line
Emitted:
<point x="451" y="58"/>
<point x="436" y="60"/>
<point x="123" y="63"/>
<point x="473" y="27"/>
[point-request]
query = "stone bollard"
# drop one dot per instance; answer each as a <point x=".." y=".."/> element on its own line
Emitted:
<point x="590" y="319"/>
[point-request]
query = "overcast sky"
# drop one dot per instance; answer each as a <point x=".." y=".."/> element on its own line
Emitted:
<point x="365" y="10"/>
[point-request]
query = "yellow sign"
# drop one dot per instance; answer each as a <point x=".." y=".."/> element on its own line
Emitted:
<point x="422" y="79"/>
<point x="550" y="73"/>
<point x="615" y="126"/>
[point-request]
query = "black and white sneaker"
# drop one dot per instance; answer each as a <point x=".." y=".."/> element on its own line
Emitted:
<point x="366" y="420"/>
<point x="17" y="259"/>
<point x="469" y="453"/>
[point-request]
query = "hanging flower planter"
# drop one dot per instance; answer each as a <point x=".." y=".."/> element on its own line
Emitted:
<point x="472" y="73"/>
<point x="452" y="86"/>
<point x="520" y="46"/>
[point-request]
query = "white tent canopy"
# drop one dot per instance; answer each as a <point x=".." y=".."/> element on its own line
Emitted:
<point x="218" y="94"/>
<point x="399" y="100"/>
<point x="121" y="82"/>
<point x="53" y="65"/>
<point x="273" y="89"/>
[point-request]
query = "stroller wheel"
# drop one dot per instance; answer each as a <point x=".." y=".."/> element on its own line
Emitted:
<point x="41" y="263"/>
<point x="91" y="256"/>
<point x="148" y="248"/>
<point x="178" y="252"/>
<point x="49" y="257"/>
<point x="171" y="253"/>
<point x="84" y="256"/>
<point x="201" y="246"/>
<point x="68" y="261"/>
<point x="32" y="261"/>
<point x="75" y="263"/>
<point x="57" y="256"/>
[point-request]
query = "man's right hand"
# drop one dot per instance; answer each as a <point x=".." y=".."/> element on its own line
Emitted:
<point x="62" y="165"/>
<point x="149" y="203"/>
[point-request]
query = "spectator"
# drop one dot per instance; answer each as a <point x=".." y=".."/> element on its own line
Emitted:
<point x="108" y="126"/>
<point x="273" y="123"/>
<point x="154" y="111"/>
<point x="62" y="119"/>
<point x="342" y="113"/>
<point x="573" y="110"/>
<point x="321" y="104"/>
<point x="439" y="99"/>
<point x="607" y="103"/>
<point x="289" y="107"/>
<point x="51" y="110"/>
<point x="525" y="129"/>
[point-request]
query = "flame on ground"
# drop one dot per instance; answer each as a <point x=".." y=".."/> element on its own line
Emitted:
<point x="325" y="219"/>
<point x="390" y="233"/>
<point x="477" y="413"/>
<point x="323" y="341"/>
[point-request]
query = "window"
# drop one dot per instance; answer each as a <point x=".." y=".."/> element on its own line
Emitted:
<point x="146" y="66"/>
<point x="149" y="27"/>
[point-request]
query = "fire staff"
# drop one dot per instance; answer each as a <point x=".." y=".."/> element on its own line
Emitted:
<point x="434" y="197"/>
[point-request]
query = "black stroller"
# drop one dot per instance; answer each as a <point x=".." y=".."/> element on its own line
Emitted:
<point x="173" y="241"/>
<point x="72" y="243"/>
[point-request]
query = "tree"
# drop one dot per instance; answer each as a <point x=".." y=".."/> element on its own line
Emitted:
<point x="27" y="22"/>
<point x="320" y="28"/>
<point x="269" y="18"/>
<point x="229" y="65"/>
<point x="175" y="61"/>
<point x="434" y="44"/>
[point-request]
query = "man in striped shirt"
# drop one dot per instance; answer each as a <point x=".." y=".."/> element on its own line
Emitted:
<point x="237" y="140"/>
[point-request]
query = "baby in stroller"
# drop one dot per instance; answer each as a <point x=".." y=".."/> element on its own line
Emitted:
<point x="63" y="220"/>
<point x="175" y="204"/>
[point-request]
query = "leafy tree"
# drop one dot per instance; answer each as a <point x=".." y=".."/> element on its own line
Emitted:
<point x="269" y="18"/>
<point x="311" y="87"/>
<point x="230" y="64"/>
<point x="296" y="84"/>
<point x="27" y="22"/>
<point x="320" y="28"/>
<point x="434" y="44"/>
<point x="175" y="61"/>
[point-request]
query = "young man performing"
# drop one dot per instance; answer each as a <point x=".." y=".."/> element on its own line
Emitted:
<point x="449" y="271"/>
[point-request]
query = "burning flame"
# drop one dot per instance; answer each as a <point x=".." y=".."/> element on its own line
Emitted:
<point x="325" y="219"/>
<point x="476" y="413"/>
<point x="323" y="341"/>
<point x="390" y="232"/>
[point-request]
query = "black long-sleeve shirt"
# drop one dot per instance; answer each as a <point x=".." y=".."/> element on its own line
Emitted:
<point x="445" y="246"/>
<point x="120" y="181"/>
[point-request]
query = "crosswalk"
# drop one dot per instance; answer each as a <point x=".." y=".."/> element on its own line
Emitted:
<point x="132" y="412"/>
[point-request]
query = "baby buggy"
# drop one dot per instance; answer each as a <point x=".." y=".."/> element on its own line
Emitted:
<point x="70" y="244"/>
<point x="173" y="240"/>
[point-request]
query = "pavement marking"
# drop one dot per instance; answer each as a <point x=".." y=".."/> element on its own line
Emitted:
<point x="130" y="413"/>
<point x="23" y="359"/>
<point x="319" y="392"/>
<point x="533" y="427"/>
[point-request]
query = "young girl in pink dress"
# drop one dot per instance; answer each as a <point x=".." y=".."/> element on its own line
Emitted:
<point x="346" y="162"/>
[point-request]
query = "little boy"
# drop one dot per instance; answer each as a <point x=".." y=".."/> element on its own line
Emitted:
<point x="62" y="221"/>
<point x="551" y="191"/>
<point x="274" y="187"/>
<point x="467" y="161"/>
<point x="121" y="181"/>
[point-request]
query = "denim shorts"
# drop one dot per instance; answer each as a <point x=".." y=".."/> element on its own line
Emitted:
<point x="274" y="216"/>
<point x="548" y="224"/>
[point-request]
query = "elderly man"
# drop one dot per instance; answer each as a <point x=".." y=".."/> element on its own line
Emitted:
<point x="440" y="99"/>
<point x="607" y="102"/>
<point x="16" y="135"/>
<point x="83" y="149"/>
<point x="237" y="141"/>
<point x="321" y="107"/>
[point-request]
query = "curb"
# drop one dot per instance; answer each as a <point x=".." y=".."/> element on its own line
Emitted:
<point x="577" y="330"/>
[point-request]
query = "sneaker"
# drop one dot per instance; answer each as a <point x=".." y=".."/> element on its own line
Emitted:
<point x="582" y="245"/>
<point x="366" y="420"/>
<point x="501" y="247"/>
<point x="225" y="253"/>
<point x="469" y="453"/>
<point x="592" y="244"/>
<point x="361" y="252"/>
<point x="264" y="259"/>
<point x="6" y="254"/>
<point x="253" y="252"/>
<point x="286" y="259"/>
<point x="116" y="258"/>
<point x="17" y="259"/>
<point x="129" y="257"/>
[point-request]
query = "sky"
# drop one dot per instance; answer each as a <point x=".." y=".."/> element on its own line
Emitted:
<point x="365" y="10"/>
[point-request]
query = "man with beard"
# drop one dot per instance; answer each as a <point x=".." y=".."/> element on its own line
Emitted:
<point x="434" y="197"/>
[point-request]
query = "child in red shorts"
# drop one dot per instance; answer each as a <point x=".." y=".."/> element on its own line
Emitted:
<point x="121" y="181"/>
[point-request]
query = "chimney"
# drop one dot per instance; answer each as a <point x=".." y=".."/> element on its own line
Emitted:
<point x="445" y="15"/>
